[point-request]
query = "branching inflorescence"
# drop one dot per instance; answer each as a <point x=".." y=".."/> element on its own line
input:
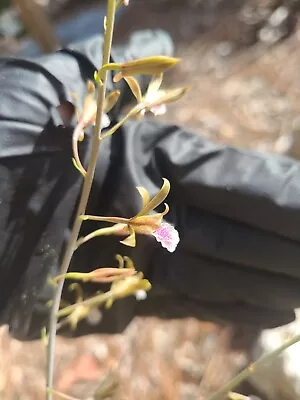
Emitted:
<point x="125" y="279"/>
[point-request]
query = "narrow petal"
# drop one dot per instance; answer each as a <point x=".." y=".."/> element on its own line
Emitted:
<point x="89" y="111"/>
<point x="152" y="65"/>
<point x="169" y="96"/>
<point x="130" y="240"/>
<point x="135" y="87"/>
<point x="144" y="195"/>
<point x="113" y="220"/>
<point x="111" y="100"/>
<point x="154" y="86"/>
<point x="157" y="199"/>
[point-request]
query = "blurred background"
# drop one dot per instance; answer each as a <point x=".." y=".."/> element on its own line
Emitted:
<point x="241" y="59"/>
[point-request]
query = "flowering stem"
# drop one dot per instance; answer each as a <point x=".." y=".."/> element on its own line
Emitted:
<point x="252" y="368"/>
<point x="120" y="288"/>
<point x="112" y="230"/>
<point x="93" y="301"/>
<point x="72" y="244"/>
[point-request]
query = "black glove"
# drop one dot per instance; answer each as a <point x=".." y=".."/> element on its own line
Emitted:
<point x="237" y="212"/>
<point x="238" y="215"/>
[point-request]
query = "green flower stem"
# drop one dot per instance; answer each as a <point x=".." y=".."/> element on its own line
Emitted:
<point x="82" y="276"/>
<point x="113" y="220"/>
<point x="108" y="67"/>
<point x="92" y="302"/>
<point x="131" y="114"/>
<point x="119" y="290"/>
<point x="112" y="230"/>
<point x="72" y="244"/>
<point x="253" y="368"/>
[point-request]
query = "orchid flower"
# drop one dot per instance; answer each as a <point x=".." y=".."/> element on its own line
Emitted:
<point x="142" y="223"/>
<point x="80" y="311"/>
<point x="130" y="284"/>
<point x="87" y="118"/>
<point x="155" y="99"/>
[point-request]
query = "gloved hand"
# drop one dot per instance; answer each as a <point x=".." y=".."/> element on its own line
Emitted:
<point x="237" y="212"/>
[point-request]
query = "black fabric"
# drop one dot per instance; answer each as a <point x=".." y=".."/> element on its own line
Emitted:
<point x="237" y="212"/>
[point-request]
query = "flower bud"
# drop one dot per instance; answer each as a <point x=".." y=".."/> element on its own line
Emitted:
<point x="152" y="65"/>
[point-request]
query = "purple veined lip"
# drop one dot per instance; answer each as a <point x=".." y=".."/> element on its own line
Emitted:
<point x="168" y="236"/>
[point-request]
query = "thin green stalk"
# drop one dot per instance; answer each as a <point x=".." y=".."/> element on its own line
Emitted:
<point x="253" y="368"/>
<point x="88" y="180"/>
<point x="92" y="302"/>
<point x="111" y="230"/>
<point x="131" y="113"/>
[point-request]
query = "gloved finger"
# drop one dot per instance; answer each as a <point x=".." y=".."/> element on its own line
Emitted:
<point x="207" y="234"/>
<point x="214" y="281"/>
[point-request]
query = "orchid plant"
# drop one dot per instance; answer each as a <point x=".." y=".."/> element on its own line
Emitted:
<point x="125" y="279"/>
